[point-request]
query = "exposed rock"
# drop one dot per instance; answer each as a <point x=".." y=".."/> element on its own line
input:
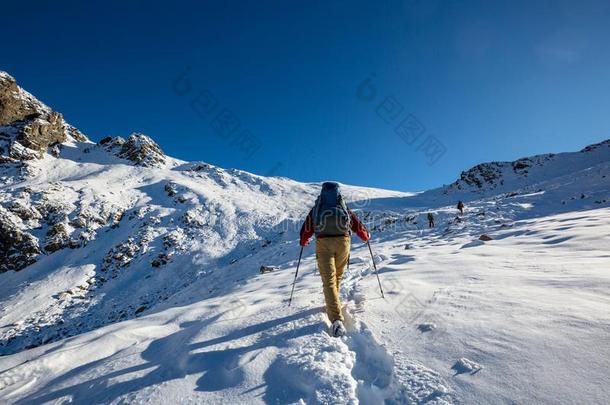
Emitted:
<point x="115" y="218"/>
<point x="57" y="229"/>
<point x="142" y="150"/>
<point x="107" y="140"/>
<point x="53" y="211"/>
<point x="426" y="327"/>
<point x="464" y="365"/>
<point x="23" y="211"/>
<point x="268" y="269"/>
<point x="591" y="148"/>
<point x="18" y="249"/>
<point x="485" y="238"/>
<point x="485" y="173"/>
<point x="170" y="189"/>
<point x="194" y="217"/>
<point x="64" y="296"/>
<point x="19" y="152"/>
<point x="38" y="134"/>
<point x="120" y="256"/>
<point x="198" y="167"/>
<point x="16" y="104"/>
<point x="27" y="126"/>
<point x="161" y="260"/>
<point x="173" y="238"/>
<point x="75" y="133"/>
<point x="74" y="243"/>
<point x="57" y="238"/>
<point x="138" y="148"/>
<point x="487" y="176"/>
<point x="521" y="165"/>
<point x="79" y="222"/>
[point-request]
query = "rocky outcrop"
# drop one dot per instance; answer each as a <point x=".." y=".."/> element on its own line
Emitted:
<point x="38" y="134"/>
<point x="16" y="104"/>
<point x="482" y="174"/>
<point x="27" y="126"/>
<point x="18" y="249"/>
<point x="488" y="176"/>
<point x="29" y="129"/>
<point x="596" y="146"/>
<point x="138" y="148"/>
<point x="57" y="238"/>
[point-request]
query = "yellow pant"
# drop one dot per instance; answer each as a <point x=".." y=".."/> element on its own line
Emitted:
<point x="332" y="255"/>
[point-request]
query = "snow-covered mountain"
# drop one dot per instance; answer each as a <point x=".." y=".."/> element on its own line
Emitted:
<point x="118" y="226"/>
<point x="496" y="177"/>
<point x="153" y="262"/>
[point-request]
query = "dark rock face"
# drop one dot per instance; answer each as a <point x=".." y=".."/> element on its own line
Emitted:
<point x="13" y="106"/>
<point x="28" y="127"/>
<point x="24" y="212"/>
<point x="482" y="174"/>
<point x="18" y="249"/>
<point x="142" y="150"/>
<point x="39" y="133"/>
<point x="521" y="165"/>
<point x="57" y="238"/>
<point x="488" y="176"/>
<point x="591" y="148"/>
<point x="138" y="148"/>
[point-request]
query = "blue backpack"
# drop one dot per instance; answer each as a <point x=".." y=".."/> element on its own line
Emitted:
<point x="330" y="214"/>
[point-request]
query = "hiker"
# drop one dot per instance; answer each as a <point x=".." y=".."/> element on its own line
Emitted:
<point x="460" y="206"/>
<point x="430" y="220"/>
<point x="332" y="222"/>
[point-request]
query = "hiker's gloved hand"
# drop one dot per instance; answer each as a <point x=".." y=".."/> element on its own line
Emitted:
<point x="364" y="235"/>
<point x="304" y="242"/>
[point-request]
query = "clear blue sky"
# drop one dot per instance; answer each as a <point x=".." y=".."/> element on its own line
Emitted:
<point x="488" y="81"/>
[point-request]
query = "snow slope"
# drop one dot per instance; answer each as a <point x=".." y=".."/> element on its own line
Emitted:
<point x="150" y="290"/>
<point x="142" y="234"/>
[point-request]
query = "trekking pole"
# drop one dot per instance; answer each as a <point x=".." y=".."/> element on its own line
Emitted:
<point x="375" y="267"/>
<point x="295" y="276"/>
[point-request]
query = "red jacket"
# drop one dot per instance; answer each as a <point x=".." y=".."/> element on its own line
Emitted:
<point x="307" y="230"/>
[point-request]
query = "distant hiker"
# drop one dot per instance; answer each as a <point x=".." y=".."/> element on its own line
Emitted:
<point x="332" y="222"/>
<point x="460" y="206"/>
<point x="430" y="220"/>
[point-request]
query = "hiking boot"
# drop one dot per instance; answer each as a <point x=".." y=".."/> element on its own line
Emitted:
<point x="338" y="329"/>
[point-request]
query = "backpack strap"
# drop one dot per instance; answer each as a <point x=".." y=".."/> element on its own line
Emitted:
<point x="315" y="212"/>
<point x="344" y="207"/>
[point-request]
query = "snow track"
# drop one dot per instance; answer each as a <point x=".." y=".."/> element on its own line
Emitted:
<point x="382" y="376"/>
